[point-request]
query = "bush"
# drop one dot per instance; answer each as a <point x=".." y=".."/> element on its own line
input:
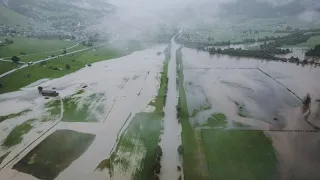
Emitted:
<point x="180" y="150"/>
<point x="15" y="59"/>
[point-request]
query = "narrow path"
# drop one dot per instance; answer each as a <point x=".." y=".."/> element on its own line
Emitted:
<point x="170" y="139"/>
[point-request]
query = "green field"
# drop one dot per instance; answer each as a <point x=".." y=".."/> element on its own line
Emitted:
<point x="76" y="61"/>
<point x="7" y="66"/>
<point x="36" y="57"/>
<point x="239" y="155"/>
<point x="54" y="154"/>
<point x="311" y="43"/>
<point x="32" y="45"/>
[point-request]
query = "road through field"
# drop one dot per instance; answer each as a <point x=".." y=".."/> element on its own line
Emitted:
<point x="50" y="58"/>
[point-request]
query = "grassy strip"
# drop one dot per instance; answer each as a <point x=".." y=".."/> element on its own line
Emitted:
<point x="239" y="154"/>
<point x="142" y="135"/>
<point x="15" y="136"/>
<point x="49" y="69"/>
<point x="160" y="100"/>
<point x="189" y="144"/>
<point x="2" y="118"/>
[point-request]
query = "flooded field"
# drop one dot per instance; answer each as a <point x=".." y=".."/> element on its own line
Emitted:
<point x="96" y="109"/>
<point x="167" y="112"/>
<point x="249" y="114"/>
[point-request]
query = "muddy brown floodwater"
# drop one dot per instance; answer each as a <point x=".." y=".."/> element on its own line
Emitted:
<point x="127" y="85"/>
<point x="170" y="140"/>
<point x="255" y="92"/>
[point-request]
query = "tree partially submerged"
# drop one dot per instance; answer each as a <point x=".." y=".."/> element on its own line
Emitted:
<point x="306" y="103"/>
<point x="40" y="88"/>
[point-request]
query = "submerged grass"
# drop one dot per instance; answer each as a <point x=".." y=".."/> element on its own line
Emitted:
<point x="13" y="115"/>
<point x="141" y="137"/>
<point x="104" y="164"/>
<point x="53" y="110"/>
<point x="242" y="110"/>
<point x="202" y="108"/>
<point x="79" y="109"/>
<point x="54" y="154"/>
<point x="217" y="120"/>
<point x="144" y="129"/>
<point x="239" y="154"/>
<point x="16" y="135"/>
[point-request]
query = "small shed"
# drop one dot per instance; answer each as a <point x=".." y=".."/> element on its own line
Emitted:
<point x="49" y="93"/>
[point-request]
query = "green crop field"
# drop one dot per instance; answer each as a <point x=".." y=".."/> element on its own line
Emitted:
<point x="311" y="43"/>
<point x="40" y="56"/>
<point x="76" y="61"/>
<point x="54" y="154"/>
<point x="239" y="155"/>
<point x="32" y="45"/>
<point x="7" y="66"/>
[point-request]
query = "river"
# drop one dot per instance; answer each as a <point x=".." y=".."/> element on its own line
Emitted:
<point x="170" y="140"/>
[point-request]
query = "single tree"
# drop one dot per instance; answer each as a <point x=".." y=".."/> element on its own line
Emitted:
<point x="1" y="85"/>
<point x="67" y="66"/>
<point x="64" y="52"/>
<point x="15" y="59"/>
<point x="307" y="100"/>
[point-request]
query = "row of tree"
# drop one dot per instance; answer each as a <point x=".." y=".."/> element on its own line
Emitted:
<point x="314" y="52"/>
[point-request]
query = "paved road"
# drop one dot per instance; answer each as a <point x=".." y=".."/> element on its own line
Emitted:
<point x="50" y="58"/>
